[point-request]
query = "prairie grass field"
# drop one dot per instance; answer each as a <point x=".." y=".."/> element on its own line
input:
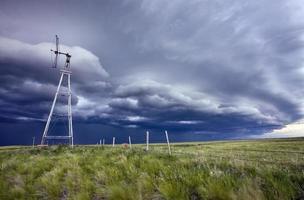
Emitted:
<point x="254" y="169"/>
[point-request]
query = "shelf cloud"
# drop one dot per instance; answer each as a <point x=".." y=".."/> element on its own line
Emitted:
<point x="220" y="69"/>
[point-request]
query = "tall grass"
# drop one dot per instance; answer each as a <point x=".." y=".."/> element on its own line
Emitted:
<point x="195" y="171"/>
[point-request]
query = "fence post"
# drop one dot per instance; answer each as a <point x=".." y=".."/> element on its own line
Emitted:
<point x="168" y="143"/>
<point x="147" y="140"/>
<point x="33" y="142"/>
<point x="130" y="143"/>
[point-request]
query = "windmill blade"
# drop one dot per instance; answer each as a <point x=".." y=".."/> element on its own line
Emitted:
<point x="55" y="61"/>
<point x="57" y="44"/>
<point x="56" y="52"/>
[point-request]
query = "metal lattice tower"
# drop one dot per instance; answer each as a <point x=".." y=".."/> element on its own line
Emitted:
<point x="65" y="74"/>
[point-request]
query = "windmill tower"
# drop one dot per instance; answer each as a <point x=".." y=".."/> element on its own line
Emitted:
<point x="65" y="75"/>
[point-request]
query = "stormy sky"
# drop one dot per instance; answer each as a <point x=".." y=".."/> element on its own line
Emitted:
<point x="200" y="69"/>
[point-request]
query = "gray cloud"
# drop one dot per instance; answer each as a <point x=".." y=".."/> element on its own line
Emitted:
<point x="191" y="66"/>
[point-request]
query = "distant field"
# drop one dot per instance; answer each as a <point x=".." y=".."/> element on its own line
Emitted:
<point x="258" y="169"/>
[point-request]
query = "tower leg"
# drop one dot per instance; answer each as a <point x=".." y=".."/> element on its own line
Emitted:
<point x="70" y="111"/>
<point x="51" y="112"/>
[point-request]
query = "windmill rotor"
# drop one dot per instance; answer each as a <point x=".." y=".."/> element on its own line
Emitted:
<point x="57" y="52"/>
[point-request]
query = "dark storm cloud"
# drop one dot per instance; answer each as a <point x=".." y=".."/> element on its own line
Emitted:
<point x="190" y="66"/>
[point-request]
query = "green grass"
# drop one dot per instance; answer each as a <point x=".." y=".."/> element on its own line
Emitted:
<point x="260" y="169"/>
